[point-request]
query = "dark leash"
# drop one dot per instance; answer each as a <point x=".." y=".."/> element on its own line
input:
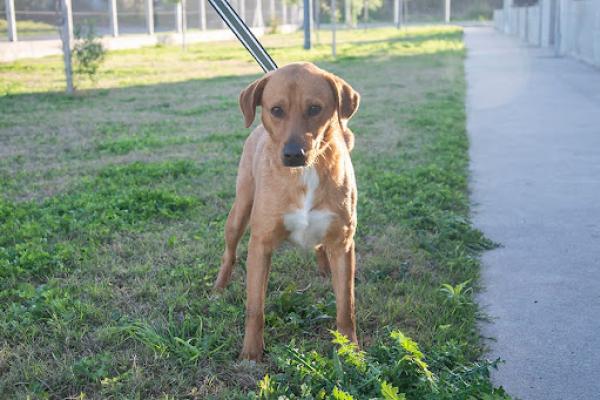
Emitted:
<point x="244" y="34"/>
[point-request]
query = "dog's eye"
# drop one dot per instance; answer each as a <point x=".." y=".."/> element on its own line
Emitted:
<point x="277" y="112"/>
<point x="314" y="110"/>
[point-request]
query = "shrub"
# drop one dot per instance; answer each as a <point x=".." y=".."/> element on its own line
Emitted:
<point x="88" y="51"/>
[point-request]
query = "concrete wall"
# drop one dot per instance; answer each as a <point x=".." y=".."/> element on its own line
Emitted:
<point x="572" y="27"/>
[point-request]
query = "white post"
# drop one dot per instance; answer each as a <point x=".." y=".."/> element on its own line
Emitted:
<point x="333" y="23"/>
<point x="184" y="15"/>
<point x="283" y="12"/>
<point x="183" y="23"/>
<point x="447" y="11"/>
<point x="258" y="16"/>
<point x="202" y="8"/>
<point x="348" y="12"/>
<point x="114" y="22"/>
<point x="66" y="36"/>
<point x="150" y="17"/>
<point x="272" y="14"/>
<point x="243" y="10"/>
<point x="295" y="12"/>
<point x="397" y="13"/>
<point x="178" y="17"/>
<point x="311" y="21"/>
<point x="11" y="20"/>
<point x="541" y="22"/>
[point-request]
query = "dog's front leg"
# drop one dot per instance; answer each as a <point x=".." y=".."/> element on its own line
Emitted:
<point x="342" y="274"/>
<point x="257" y="275"/>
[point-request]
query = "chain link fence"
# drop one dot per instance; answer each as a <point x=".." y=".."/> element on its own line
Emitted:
<point x="38" y="19"/>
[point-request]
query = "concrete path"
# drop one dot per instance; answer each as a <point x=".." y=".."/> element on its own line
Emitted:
<point x="534" y="125"/>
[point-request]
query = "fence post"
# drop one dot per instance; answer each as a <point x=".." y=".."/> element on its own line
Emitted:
<point x="66" y="34"/>
<point x="258" y="21"/>
<point x="446" y="11"/>
<point x="333" y="23"/>
<point x="272" y="14"/>
<point x="11" y="20"/>
<point x="202" y="13"/>
<point x="295" y="13"/>
<point x="526" y="24"/>
<point x="150" y="17"/>
<point x="243" y="10"/>
<point x="283" y="12"/>
<point x="178" y="12"/>
<point x="397" y="13"/>
<point x="348" y="12"/>
<point x="306" y="22"/>
<point x="114" y="22"/>
<point x="183" y="15"/>
<point x="114" y="19"/>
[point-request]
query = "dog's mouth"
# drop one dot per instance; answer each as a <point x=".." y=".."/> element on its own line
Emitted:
<point x="294" y="162"/>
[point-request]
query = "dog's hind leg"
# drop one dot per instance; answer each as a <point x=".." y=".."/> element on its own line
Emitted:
<point x="323" y="261"/>
<point x="235" y="227"/>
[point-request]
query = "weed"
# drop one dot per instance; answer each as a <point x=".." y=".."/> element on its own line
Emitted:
<point x="458" y="294"/>
<point x="392" y="369"/>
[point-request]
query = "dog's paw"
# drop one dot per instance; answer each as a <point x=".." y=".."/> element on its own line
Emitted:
<point x="221" y="282"/>
<point x="251" y="354"/>
<point x="218" y="287"/>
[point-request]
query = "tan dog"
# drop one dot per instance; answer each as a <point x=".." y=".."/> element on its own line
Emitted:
<point x="295" y="181"/>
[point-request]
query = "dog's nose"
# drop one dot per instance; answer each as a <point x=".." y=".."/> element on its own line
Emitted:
<point x="293" y="155"/>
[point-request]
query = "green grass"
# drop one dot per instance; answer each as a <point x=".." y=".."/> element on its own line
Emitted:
<point x="28" y="28"/>
<point x="114" y="200"/>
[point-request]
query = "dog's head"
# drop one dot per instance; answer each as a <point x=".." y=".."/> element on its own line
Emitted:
<point x="300" y="102"/>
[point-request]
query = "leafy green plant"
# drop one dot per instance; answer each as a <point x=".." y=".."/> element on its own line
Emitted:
<point x="88" y="51"/>
<point x="92" y="368"/>
<point x="395" y="369"/>
<point x="458" y="294"/>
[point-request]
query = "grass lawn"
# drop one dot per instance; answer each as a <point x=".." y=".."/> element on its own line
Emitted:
<point x="113" y="203"/>
<point x="30" y="29"/>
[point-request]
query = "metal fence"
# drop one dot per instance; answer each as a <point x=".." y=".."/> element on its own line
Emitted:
<point x="39" y="19"/>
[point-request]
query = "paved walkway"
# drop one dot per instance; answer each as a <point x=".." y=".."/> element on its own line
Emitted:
<point x="534" y="125"/>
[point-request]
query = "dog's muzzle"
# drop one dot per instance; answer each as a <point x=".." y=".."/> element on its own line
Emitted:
<point x="294" y="155"/>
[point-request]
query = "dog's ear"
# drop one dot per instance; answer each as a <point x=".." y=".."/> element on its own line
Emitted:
<point x="347" y="98"/>
<point x="250" y="98"/>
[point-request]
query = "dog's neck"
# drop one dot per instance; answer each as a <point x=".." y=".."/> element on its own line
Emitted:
<point x="332" y="148"/>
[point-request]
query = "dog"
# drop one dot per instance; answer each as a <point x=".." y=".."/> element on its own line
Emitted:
<point x="295" y="182"/>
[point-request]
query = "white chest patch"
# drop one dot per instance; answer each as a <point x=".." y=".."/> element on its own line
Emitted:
<point x="307" y="226"/>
